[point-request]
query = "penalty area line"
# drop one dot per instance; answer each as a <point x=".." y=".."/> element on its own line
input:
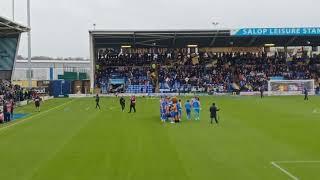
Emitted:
<point x="39" y="114"/>
<point x="284" y="171"/>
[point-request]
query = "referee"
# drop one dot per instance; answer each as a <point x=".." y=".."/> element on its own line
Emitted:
<point x="122" y="103"/>
<point x="213" y="113"/>
<point x="97" y="101"/>
<point x="305" y="92"/>
<point x="261" y="92"/>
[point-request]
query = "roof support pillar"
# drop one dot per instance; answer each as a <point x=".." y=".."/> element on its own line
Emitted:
<point x="286" y="52"/>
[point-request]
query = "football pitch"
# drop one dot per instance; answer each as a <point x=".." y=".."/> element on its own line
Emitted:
<point x="276" y="138"/>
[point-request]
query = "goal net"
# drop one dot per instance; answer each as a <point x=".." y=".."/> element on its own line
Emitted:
<point x="290" y="87"/>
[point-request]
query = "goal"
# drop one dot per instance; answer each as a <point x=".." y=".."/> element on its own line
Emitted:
<point x="290" y="87"/>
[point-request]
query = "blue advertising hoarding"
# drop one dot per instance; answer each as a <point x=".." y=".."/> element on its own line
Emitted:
<point x="307" y="31"/>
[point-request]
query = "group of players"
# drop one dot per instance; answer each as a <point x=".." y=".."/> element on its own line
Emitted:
<point x="171" y="109"/>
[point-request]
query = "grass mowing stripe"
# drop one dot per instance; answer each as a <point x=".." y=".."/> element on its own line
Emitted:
<point x="23" y="120"/>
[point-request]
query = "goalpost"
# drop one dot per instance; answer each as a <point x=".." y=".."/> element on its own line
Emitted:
<point x="290" y="87"/>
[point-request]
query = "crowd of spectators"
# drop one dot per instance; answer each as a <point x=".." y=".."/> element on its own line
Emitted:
<point x="128" y="75"/>
<point x="244" y="72"/>
<point x="9" y="95"/>
<point x="110" y="57"/>
<point x="205" y="71"/>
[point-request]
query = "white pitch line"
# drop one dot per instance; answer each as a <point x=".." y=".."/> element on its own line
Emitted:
<point x="295" y="162"/>
<point x="284" y="171"/>
<point x="21" y="121"/>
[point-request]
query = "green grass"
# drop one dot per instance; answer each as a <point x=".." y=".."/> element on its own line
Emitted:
<point x="72" y="142"/>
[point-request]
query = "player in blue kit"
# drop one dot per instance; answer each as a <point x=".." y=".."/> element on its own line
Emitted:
<point x="163" y="104"/>
<point x="187" y="106"/>
<point x="196" y="107"/>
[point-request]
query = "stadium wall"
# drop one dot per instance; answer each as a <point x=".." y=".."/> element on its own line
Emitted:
<point x="48" y="69"/>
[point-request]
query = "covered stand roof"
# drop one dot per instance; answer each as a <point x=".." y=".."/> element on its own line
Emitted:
<point x="202" y="38"/>
<point x="8" y="27"/>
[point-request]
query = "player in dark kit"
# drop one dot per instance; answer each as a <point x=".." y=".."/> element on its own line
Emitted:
<point x="97" y="101"/>
<point x="37" y="100"/>
<point x="213" y="113"/>
<point x="132" y="104"/>
<point x="261" y="92"/>
<point x="122" y="103"/>
<point x="306" y="94"/>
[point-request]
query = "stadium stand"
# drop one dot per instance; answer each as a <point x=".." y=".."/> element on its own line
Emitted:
<point x="210" y="61"/>
<point x="203" y="71"/>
